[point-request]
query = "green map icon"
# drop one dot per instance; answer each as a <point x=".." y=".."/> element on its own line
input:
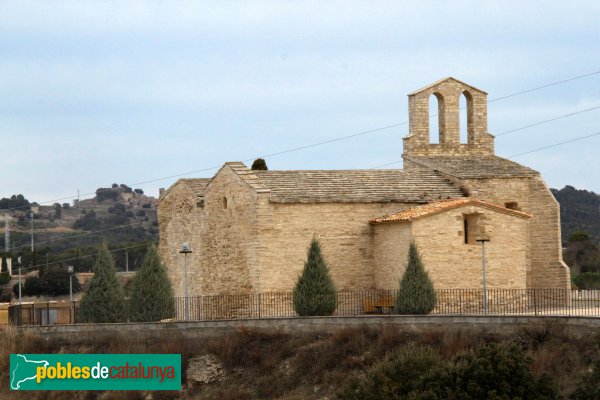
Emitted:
<point x="23" y="369"/>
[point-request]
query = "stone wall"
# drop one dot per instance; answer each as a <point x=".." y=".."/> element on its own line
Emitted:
<point x="447" y="93"/>
<point x="343" y="229"/>
<point x="391" y="242"/>
<point x="231" y="253"/>
<point x="180" y="220"/>
<point x="451" y="263"/>
<point x="546" y="268"/>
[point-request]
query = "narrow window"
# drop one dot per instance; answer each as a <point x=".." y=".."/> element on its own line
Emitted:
<point x="471" y="230"/>
<point x="225" y="203"/>
<point x="463" y="118"/>
<point x="434" y="126"/>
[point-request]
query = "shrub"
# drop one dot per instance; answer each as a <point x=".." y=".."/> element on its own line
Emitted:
<point x="589" y="384"/>
<point x="151" y="292"/>
<point x="587" y="280"/>
<point x="494" y="371"/>
<point x="15" y="289"/>
<point x="416" y="294"/>
<point x="314" y="293"/>
<point x="33" y="286"/>
<point x="259" y="164"/>
<point x="56" y="283"/>
<point x="4" y="278"/>
<point x="104" y="299"/>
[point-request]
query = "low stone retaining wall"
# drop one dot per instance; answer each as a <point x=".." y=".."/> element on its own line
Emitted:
<point x="501" y="325"/>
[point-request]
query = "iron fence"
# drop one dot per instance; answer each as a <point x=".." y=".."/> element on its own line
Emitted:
<point x="532" y="302"/>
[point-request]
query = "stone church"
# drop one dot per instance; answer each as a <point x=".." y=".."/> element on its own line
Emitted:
<point x="249" y="230"/>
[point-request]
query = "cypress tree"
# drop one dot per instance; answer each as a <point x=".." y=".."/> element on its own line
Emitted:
<point x="151" y="293"/>
<point x="104" y="300"/>
<point x="259" y="164"/>
<point x="416" y="294"/>
<point x="314" y="293"/>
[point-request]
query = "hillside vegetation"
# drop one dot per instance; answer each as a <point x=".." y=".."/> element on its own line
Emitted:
<point x="543" y="361"/>
<point x="66" y="233"/>
<point x="579" y="211"/>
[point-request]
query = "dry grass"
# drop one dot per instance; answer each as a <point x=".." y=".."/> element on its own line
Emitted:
<point x="275" y="365"/>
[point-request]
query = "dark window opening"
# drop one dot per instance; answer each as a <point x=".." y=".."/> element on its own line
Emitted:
<point x="513" y="205"/>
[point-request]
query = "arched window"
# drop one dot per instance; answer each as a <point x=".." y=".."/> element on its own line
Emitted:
<point x="436" y="118"/>
<point x="465" y="105"/>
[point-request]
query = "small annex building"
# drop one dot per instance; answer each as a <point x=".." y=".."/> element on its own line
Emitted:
<point x="249" y="230"/>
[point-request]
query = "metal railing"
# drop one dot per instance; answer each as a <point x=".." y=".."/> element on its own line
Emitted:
<point x="528" y="302"/>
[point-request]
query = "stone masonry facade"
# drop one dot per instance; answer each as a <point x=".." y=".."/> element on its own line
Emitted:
<point x="249" y="230"/>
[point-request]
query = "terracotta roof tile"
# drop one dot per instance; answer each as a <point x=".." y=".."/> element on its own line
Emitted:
<point x="436" y="207"/>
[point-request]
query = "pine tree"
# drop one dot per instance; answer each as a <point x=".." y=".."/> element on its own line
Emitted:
<point x="259" y="164"/>
<point x="416" y="294"/>
<point x="151" y="292"/>
<point x="315" y="292"/>
<point x="104" y="300"/>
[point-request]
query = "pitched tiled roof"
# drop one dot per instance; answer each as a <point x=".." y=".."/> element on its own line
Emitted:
<point x="321" y="186"/>
<point x="443" y="205"/>
<point x="443" y="80"/>
<point x="471" y="167"/>
<point x="248" y="176"/>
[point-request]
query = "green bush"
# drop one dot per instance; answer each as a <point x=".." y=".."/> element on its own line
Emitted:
<point x="56" y="283"/>
<point x="416" y="294"/>
<point x="151" y="293"/>
<point x="314" y="293"/>
<point x="4" y="278"/>
<point x="33" y="286"/>
<point x="587" y="280"/>
<point x="589" y="384"/>
<point x="104" y="299"/>
<point x="494" y="371"/>
<point x="259" y="164"/>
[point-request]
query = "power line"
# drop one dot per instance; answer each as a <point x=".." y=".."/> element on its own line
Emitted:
<point x="546" y="121"/>
<point x="90" y="255"/>
<point x="379" y="166"/>
<point x="320" y="143"/>
<point x="84" y="234"/>
<point x="555" y="144"/>
<point x="544" y="86"/>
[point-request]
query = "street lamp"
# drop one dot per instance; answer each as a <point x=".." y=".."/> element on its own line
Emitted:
<point x="185" y="249"/>
<point x="19" y="265"/>
<point x="483" y="238"/>
<point x="70" y="269"/>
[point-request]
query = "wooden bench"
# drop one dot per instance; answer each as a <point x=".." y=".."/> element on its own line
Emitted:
<point x="380" y="305"/>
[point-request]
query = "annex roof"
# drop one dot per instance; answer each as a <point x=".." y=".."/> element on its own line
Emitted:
<point x="436" y="207"/>
<point x="473" y="167"/>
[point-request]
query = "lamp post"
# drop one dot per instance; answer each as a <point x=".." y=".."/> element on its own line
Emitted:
<point x="484" y="238"/>
<point x="19" y="264"/>
<point x="70" y="269"/>
<point x="185" y="249"/>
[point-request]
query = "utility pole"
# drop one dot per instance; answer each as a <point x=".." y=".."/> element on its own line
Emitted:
<point x="19" y="262"/>
<point x="185" y="249"/>
<point x="126" y="261"/>
<point x="6" y="233"/>
<point x="484" y="238"/>
<point x="32" y="245"/>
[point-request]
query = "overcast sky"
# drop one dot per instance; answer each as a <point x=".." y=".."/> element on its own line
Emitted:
<point x="93" y="93"/>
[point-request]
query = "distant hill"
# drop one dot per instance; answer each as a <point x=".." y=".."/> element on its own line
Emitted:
<point x="579" y="211"/>
<point x="118" y="215"/>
